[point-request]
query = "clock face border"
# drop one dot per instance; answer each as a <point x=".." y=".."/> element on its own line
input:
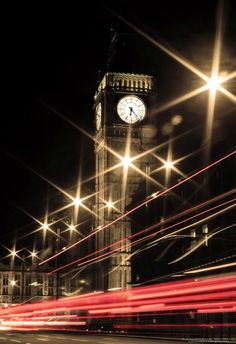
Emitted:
<point x="98" y="116"/>
<point x="131" y="109"/>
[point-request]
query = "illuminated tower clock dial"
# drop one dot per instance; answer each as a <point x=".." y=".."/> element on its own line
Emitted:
<point x="131" y="109"/>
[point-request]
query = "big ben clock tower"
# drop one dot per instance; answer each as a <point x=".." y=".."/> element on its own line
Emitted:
<point x="122" y="106"/>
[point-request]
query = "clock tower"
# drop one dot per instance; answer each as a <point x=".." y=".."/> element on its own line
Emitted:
<point x="124" y="132"/>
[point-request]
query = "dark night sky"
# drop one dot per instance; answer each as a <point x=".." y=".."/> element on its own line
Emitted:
<point x="55" y="54"/>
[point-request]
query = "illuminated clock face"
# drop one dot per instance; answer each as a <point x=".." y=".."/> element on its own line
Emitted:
<point x="98" y="116"/>
<point x="131" y="109"/>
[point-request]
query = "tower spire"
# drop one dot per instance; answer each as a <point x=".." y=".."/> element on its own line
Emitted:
<point x="112" y="47"/>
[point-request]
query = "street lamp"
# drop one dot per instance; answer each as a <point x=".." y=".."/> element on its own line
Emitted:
<point x="45" y="226"/>
<point x="126" y="162"/>
<point x="214" y="83"/>
<point x="13" y="283"/>
<point x="23" y="279"/>
<point x="71" y="228"/>
<point x="13" y="253"/>
<point x="109" y="204"/>
<point x="77" y="201"/>
<point x="168" y="164"/>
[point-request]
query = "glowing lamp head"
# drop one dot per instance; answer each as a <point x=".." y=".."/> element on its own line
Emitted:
<point x="45" y="226"/>
<point x="13" y="253"/>
<point x="13" y="283"/>
<point x="109" y="204"/>
<point x="168" y="165"/>
<point x="213" y="83"/>
<point x="77" y="201"/>
<point x="126" y="161"/>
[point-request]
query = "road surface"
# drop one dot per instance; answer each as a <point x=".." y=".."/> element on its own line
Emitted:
<point x="62" y="338"/>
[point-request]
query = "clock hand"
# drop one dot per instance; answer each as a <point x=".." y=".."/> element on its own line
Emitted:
<point x="131" y="110"/>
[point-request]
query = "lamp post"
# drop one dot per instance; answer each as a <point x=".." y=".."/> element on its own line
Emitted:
<point x="13" y="283"/>
<point x="47" y="227"/>
<point x="57" y="249"/>
<point x="23" y="279"/>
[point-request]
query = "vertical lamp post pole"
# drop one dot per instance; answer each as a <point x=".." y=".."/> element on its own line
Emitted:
<point x="57" y="249"/>
<point x="23" y="279"/>
<point x="147" y="172"/>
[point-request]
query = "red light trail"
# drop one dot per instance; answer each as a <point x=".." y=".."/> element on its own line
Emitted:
<point x="141" y="205"/>
<point x="136" y="241"/>
<point x="208" y="295"/>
